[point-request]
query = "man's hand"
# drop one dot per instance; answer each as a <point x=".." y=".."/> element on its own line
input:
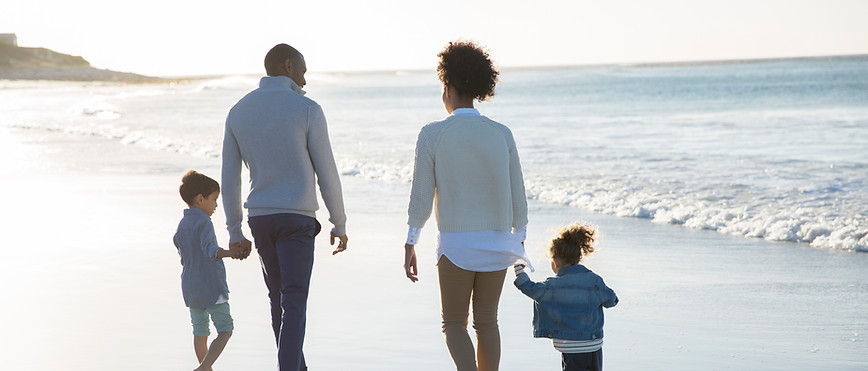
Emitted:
<point x="233" y="252"/>
<point x="241" y="249"/>
<point x="410" y="263"/>
<point x="342" y="242"/>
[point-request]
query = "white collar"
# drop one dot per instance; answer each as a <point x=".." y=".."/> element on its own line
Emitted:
<point x="465" y="112"/>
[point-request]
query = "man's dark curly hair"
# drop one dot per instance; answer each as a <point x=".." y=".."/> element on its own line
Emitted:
<point x="467" y="68"/>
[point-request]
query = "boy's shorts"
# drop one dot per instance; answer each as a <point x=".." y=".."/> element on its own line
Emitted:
<point x="219" y="314"/>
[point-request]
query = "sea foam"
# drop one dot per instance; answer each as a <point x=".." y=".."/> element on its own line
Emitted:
<point x="783" y="158"/>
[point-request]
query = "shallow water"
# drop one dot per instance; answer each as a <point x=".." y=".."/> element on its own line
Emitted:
<point x="774" y="149"/>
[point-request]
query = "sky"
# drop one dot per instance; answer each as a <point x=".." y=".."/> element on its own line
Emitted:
<point x="196" y="37"/>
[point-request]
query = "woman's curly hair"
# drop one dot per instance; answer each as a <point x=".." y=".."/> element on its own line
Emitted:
<point x="572" y="243"/>
<point x="467" y="68"/>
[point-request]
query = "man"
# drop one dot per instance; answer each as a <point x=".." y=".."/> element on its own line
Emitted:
<point x="281" y="136"/>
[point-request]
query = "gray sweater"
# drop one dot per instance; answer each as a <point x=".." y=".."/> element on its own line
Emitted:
<point x="281" y="136"/>
<point x="472" y="166"/>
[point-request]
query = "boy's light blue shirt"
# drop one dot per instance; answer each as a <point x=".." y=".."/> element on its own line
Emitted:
<point x="570" y="305"/>
<point x="203" y="278"/>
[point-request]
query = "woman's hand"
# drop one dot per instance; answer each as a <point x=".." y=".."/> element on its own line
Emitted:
<point x="410" y="262"/>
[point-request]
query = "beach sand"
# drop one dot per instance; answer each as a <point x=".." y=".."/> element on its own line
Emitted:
<point x="90" y="281"/>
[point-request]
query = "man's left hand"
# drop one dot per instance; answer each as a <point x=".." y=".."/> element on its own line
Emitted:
<point x="342" y="242"/>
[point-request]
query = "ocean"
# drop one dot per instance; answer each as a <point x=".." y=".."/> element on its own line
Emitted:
<point x="730" y="200"/>
<point x="772" y="149"/>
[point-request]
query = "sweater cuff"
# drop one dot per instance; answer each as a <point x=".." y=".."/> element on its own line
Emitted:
<point x="340" y="230"/>
<point x="236" y="235"/>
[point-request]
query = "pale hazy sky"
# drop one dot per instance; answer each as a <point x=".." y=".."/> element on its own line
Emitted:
<point x="195" y="37"/>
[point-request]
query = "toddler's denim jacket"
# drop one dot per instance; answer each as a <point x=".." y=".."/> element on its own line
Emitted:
<point x="570" y="305"/>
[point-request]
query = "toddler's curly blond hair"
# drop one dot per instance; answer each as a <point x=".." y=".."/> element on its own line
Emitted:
<point x="572" y="243"/>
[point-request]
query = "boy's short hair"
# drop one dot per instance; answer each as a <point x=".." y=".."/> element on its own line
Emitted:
<point x="195" y="183"/>
<point x="572" y="243"/>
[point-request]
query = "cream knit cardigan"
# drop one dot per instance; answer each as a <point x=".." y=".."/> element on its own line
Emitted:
<point x="469" y="168"/>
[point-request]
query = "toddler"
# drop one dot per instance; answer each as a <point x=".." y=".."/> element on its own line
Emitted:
<point x="568" y="308"/>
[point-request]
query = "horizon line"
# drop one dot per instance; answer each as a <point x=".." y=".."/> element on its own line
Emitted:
<point x="694" y="62"/>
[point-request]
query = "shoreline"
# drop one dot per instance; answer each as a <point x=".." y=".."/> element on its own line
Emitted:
<point x="75" y="73"/>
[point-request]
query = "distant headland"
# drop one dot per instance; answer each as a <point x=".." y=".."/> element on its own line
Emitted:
<point x="21" y="63"/>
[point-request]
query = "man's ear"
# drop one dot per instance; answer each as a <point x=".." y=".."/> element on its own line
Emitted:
<point x="288" y="65"/>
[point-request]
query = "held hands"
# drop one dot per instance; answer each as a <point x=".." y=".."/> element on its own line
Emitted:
<point x="410" y="263"/>
<point x="342" y="242"/>
<point x="240" y="250"/>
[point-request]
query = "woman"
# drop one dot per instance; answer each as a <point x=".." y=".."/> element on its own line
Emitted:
<point x="468" y="163"/>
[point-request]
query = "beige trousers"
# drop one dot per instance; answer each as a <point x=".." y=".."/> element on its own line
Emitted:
<point x="458" y="288"/>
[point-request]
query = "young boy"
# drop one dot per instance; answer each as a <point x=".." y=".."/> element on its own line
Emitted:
<point x="568" y="308"/>
<point x="203" y="278"/>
